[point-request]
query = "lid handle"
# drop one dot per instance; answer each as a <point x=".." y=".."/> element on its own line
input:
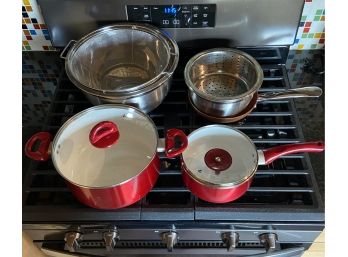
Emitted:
<point x="42" y="153"/>
<point x="170" y="149"/>
<point x="104" y="134"/>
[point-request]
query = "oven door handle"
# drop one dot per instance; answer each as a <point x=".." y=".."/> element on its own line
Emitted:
<point x="55" y="253"/>
<point x="290" y="252"/>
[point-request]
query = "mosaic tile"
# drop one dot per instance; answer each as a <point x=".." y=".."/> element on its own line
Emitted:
<point x="308" y="24"/>
<point x="319" y="12"/>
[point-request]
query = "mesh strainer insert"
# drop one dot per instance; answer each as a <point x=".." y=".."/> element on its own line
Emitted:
<point x="223" y="74"/>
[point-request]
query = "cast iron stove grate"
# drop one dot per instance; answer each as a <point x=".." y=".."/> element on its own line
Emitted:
<point x="282" y="191"/>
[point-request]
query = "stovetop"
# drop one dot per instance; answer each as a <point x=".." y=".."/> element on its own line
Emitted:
<point x="284" y="191"/>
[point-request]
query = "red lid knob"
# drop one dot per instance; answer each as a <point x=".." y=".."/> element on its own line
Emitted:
<point x="104" y="134"/>
<point x="218" y="159"/>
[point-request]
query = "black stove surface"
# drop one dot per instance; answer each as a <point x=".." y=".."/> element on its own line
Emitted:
<point x="282" y="191"/>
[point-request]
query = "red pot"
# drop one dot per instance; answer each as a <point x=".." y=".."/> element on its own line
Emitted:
<point x="220" y="162"/>
<point x="108" y="154"/>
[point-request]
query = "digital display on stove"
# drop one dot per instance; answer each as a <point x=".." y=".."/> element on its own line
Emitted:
<point x="174" y="16"/>
<point x="170" y="10"/>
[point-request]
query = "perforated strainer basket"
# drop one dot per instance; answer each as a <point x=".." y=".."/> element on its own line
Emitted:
<point x="222" y="81"/>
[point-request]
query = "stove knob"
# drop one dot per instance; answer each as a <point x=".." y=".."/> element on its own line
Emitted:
<point x="231" y="240"/>
<point x="270" y="241"/>
<point x="110" y="239"/>
<point x="72" y="240"/>
<point x="170" y="239"/>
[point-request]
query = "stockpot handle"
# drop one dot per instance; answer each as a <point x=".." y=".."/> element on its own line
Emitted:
<point x="170" y="149"/>
<point x="66" y="49"/>
<point x="290" y="252"/>
<point x="43" y="152"/>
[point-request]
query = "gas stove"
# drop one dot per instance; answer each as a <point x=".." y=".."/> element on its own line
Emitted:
<point x="280" y="215"/>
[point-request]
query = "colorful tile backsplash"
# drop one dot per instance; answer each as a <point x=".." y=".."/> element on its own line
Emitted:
<point x="310" y="34"/>
<point x="35" y="36"/>
<point x="311" y="31"/>
<point x="40" y="73"/>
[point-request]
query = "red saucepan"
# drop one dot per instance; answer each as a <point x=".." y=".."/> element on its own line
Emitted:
<point x="107" y="154"/>
<point x="220" y="162"/>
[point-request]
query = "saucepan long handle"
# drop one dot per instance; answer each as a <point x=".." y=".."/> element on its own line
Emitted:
<point x="271" y="154"/>
<point x="291" y="93"/>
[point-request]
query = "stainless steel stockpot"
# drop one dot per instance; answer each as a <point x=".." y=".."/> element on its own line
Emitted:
<point x="222" y="81"/>
<point x="127" y="63"/>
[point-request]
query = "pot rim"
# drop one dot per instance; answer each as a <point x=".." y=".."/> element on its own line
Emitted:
<point x="157" y="81"/>
<point x="93" y="108"/>
<point x="227" y="99"/>
<point x="223" y="185"/>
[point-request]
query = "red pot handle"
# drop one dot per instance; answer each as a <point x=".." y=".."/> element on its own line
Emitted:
<point x="170" y="142"/>
<point x="104" y="134"/>
<point x="42" y="153"/>
<point x="274" y="153"/>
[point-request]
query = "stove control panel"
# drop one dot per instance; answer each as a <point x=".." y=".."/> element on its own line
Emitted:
<point x="174" y="16"/>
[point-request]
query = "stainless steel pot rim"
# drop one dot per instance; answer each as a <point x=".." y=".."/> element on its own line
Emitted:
<point x="173" y="59"/>
<point x="91" y="109"/>
<point x="222" y="185"/>
<point x="229" y="99"/>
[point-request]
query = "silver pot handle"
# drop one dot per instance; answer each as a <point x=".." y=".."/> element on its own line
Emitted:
<point x="67" y="48"/>
<point x="290" y="252"/>
<point x="291" y="93"/>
